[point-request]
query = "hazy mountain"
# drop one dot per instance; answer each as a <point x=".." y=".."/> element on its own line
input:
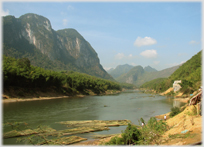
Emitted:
<point x="148" y="76"/>
<point x="149" y="69"/>
<point x="132" y="75"/>
<point x="119" y="70"/>
<point x="138" y="75"/>
<point x="110" y="70"/>
<point x="32" y="36"/>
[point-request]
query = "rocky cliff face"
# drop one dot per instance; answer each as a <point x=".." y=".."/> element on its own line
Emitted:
<point x="65" y="46"/>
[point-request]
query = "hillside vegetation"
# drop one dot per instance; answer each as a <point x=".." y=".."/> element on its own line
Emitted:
<point x="21" y="74"/>
<point x="189" y="73"/>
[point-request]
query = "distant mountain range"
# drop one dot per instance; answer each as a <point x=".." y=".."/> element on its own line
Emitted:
<point x="119" y="70"/>
<point x="149" y="69"/>
<point x="32" y="36"/>
<point x="138" y="75"/>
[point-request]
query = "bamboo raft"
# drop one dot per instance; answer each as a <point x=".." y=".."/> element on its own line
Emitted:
<point x="96" y="123"/>
<point x="63" y="141"/>
<point x="74" y="127"/>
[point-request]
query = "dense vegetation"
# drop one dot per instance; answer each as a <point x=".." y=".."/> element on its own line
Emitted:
<point x="156" y="84"/>
<point x="189" y="73"/>
<point x="127" y="86"/>
<point x="149" y="134"/>
<point x="20" y="73"/>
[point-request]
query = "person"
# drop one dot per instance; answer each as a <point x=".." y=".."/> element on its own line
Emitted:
<point x="165" y="117"/>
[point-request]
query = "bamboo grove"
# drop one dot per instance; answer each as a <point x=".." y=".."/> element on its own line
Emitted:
<point x="20" y="73"/>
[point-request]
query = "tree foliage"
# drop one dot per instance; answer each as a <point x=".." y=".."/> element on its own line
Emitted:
<point x="19" y="73"/>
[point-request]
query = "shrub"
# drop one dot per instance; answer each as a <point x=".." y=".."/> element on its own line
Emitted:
<point x="174" y="111"/>
<point x="131" y="135"/>
<point x="150" y="133"/>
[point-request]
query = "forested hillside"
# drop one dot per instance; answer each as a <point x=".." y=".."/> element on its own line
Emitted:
<point x="190" y="74"/>
<point x="21" y="74"/>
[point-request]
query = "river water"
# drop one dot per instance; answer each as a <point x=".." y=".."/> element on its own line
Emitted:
<point x="130" y="105"/>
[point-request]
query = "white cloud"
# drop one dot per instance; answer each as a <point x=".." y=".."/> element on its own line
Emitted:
<point x="172" y="64"/>
<point x="175" y="63"/>
<point x="65" y="21"/>
<point x="156" y="62"/>
<point x="130" y="56"/>
<point x="144" y="41"/>
<point x="4" y="13"/>
<point x="193" y="42"/>
<point x="149" y="54"/>
<point x="107" y="68"/>
<point x="183" y="62"/>
<point x="70" y="7"/>
<point x="133" y="64"/>
<point x="119" y="56"/>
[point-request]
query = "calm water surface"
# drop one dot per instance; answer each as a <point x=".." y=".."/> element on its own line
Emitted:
<point x="131" y="105"/>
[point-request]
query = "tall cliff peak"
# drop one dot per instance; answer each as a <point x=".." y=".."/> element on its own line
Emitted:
<point x="36" y="20"/>
<point x="66" y="47"/>
<point x="71" y="33"/>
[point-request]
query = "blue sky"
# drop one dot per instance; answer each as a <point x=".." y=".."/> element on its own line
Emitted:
<point x="159" y="34"/>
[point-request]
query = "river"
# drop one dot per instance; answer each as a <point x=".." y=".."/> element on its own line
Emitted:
<point x="130" y="105"/>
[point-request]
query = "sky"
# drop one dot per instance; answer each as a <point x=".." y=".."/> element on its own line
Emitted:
<point x="158" y="34"/>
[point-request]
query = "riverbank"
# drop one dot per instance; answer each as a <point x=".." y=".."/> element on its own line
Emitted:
<point x="31" y="99"/>
<point x="185" y="129"/>
<point x="47" y="96"/>
<point x="178" y="96"/>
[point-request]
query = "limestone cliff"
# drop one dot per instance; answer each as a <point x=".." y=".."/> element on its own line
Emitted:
<point x="65" y="48"/>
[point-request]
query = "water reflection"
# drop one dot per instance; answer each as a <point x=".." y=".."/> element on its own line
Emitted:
<point x="177" y="103"/>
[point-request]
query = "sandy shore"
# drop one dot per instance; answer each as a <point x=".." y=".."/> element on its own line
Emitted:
<point x="34" y="99"/>
<point x="7" y="99"/>
<point x="184" y="100"/>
